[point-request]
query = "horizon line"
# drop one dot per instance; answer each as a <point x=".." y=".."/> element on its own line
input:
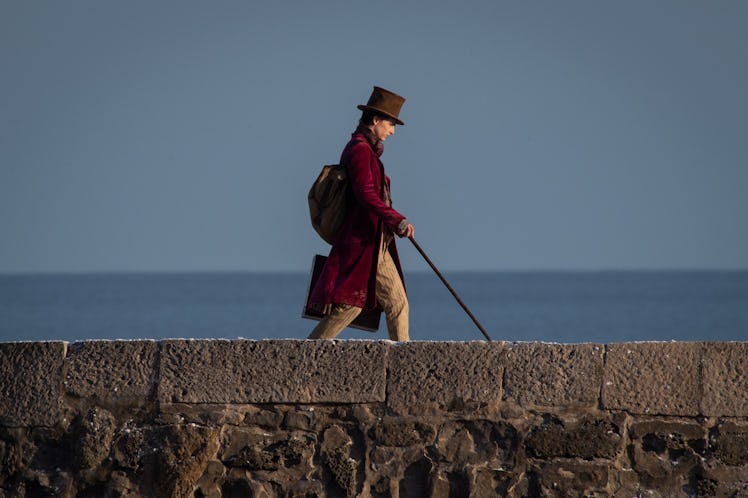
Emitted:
<point x="124" y="272"/>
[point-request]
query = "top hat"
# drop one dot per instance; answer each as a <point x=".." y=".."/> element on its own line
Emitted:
<point x="384" y="102"/>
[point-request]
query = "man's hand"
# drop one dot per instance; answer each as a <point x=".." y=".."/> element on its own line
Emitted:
<point x="408" y="232"/>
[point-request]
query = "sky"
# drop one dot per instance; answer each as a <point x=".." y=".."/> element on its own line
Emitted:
<point x="184" y="136"/>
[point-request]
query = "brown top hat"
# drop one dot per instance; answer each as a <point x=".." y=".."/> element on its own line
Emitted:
<point x="384" y="102"/>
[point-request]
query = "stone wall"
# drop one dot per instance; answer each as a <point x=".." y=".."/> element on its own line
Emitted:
<point x="214" y="418"/>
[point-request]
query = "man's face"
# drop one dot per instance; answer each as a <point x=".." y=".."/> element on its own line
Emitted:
<point x="383" y="128"/>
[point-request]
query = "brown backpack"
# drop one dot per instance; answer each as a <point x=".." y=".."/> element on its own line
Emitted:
<point x="327" y="201"/>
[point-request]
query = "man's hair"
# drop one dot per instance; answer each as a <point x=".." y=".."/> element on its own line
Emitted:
<point x="367" y="117"/>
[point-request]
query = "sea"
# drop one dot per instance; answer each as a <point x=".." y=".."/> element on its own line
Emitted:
<point x="546" y="306"/>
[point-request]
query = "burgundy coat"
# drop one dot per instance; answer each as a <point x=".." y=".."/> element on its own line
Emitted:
<point x="349" y="275"/>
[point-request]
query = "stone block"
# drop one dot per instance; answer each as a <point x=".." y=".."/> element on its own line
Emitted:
<point x="277" y="371"/>
<point x="661" y="436"/>
<point x="665" y="450"/>
<point x="111" y="371"/>
<point x="30" y="382"/>
<point x="181" y="459"/>
<point x="653" y="378"/>
<point x="587" y="438"/>
<point x="554" y="374"/>
<point x="729" y="443"/>
<point x="465" y="443"/>
<point x="725" y="379"/>
<point x="428" y="376"/>
<point x="399" y="432"/>
<point x="335" y="451"/>
<point x="572" y="478"/>
<point x="95" y="433"/>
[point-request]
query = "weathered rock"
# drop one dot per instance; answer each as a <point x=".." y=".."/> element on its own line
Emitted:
<point x="650" y="466"/>
<point x="718" y="481"/>
<point x="429" y="376"/>
<point x="668" y="454"/>
<point x="439" y="486"/>
<point x="30" y="379"/>
<point x="495" y="441"/>
<point x="725" y="379"/>
<point x="447" y="427"/>
<point x="95" y="439"/>
<point x="234" y="440"/>
<point x="178" y="458"/>
<point x="624" y="483"/>
<point x="587" y="438"/>
<point x="653" y="378"/>
<point x="490" y="482"/>
<point x="674" y="440"/>
<point x="335" y="451"/>
<point x="730" y="443"/>
<point x="120" y="485"/>
<point x="546" y="375"/>
<point x="46" y="482"/>
<point x="475" y="442"/>
<point x="305" y="488"/>
<point x="304" y="420"/>
<point x="280" y="455"/>
<point x="393" y="431"/>
<point x="459" y="484"/>
<point x="416" y="480"/>
<point x="268" y="419"/>
<point x="202" y="371"/>
<point x="8" y="458"/>
<point x="572" y="479"/>
<point x="456" y="445"/>
<point x="239" y="486"/>
<point x="209" y="485"/>
<point x="381" y="488"/>
<point x="111" y="372"/>
<point x="129" y="447"/>
<point x="46" y="448"/>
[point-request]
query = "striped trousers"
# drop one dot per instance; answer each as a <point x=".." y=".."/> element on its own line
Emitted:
<point x="391" y="297"/>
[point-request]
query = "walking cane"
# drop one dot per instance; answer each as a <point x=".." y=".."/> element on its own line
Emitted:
<point x="444" y="281"/>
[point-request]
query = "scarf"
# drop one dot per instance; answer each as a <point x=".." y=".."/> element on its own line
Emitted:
<point x="376" y="145"/>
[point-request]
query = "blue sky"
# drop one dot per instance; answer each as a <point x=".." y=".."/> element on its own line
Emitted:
<point x="183" y="136"/>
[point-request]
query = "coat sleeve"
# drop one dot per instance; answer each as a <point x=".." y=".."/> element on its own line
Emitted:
<point x="360" y="163"/>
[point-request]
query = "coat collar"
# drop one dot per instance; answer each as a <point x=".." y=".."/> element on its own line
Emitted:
<point x="363" y="132"/>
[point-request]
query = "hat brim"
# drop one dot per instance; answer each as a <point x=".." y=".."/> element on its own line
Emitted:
<point x="380" y="111"/>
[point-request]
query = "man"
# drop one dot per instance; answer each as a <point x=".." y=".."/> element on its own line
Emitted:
<point x="363" y="269"/>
